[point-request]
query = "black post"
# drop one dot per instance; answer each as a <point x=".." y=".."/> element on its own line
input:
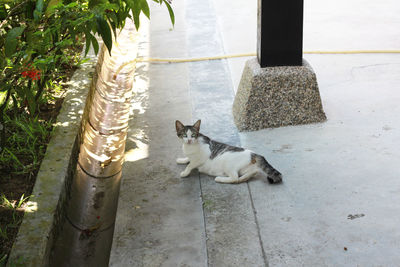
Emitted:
<point x="280" y="33"/>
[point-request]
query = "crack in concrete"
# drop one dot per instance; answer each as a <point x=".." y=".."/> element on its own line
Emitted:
<point x="258" y="226"/>
<point x="204" y="218"/>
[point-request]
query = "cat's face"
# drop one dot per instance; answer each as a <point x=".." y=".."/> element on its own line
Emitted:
<point x="188" y="133"/>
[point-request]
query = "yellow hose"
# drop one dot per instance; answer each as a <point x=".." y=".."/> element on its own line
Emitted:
<point x="182" y="60"/>
<point x="355" y="52"/>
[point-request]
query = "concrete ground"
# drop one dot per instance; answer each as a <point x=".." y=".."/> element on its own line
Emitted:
<point x="339" y="204"/>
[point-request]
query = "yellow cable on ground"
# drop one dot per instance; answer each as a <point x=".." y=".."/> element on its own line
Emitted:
<point x="355" y="52"/>
<point x="182" y="60"/>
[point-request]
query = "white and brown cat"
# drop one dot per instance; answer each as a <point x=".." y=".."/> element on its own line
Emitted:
<point x="229" y="164"/>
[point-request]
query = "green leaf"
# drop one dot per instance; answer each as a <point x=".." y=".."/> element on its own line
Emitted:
<point x="88" y="40"/>
<point x="3" y="94"/>
<point x="91" y="39"/>
<point x="29" y="9"/>
<point x="31" y="100"/>
<point x="39" y="5"/>
<point x="104" y="30"/>
<point x="51" y="6"/>
<point x="121" y="16"/>
<point x="93" y="3"/>
<point x="11" y="40"/>
<point x="95" y="44"/>
<point x="71" y="5"/>
<point x="73" y="36"/>
<point x="171" y="12"/>
<point x="37" y="14"/>
<point x="136" y="9"/>
<point x="16" y="160"/>
<point x="113" y="19"/>
<point x="145" y="8"/>
<point x="3" y="15"/>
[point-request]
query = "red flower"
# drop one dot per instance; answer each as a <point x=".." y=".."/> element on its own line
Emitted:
<point x="32" y="73"/>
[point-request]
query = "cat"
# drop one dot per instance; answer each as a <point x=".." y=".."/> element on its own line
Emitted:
<point x="229" y="164"/>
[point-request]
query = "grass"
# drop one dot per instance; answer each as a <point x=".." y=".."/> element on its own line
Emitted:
<point x="13" y="204"/>
<point x="26" y="142"/>
<point x="20" y="262"/>
<point x="208" y="205"/>
<point x="3" y="232"/>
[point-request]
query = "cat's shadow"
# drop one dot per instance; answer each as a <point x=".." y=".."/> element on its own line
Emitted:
<point x="258" y="177"/>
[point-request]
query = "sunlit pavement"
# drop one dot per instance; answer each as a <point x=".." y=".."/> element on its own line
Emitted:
<point x="339" y="204"/>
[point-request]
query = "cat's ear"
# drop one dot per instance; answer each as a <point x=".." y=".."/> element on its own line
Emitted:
<point x="179" y="126"/>
<point x="197" y="125"/>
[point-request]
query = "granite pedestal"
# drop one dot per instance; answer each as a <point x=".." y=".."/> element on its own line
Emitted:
<point x="277" y="96"/>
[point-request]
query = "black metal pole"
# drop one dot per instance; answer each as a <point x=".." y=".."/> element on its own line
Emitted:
<point x="280" y="33"/>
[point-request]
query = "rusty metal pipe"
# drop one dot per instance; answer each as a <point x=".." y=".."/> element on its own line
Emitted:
<point x="87" y="232"/>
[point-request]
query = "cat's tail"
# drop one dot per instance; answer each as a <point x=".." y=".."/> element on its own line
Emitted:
<point x="273" y="175"/>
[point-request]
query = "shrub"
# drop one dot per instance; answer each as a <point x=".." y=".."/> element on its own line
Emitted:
<point x="35" y="35"/>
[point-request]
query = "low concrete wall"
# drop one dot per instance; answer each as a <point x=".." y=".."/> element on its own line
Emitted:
<point x="42" y="225"/>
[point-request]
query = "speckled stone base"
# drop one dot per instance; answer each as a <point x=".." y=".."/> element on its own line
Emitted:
<point x="276" y="96"/>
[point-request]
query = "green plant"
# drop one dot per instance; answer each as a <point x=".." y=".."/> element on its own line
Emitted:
<point x="208" y="205"/>
<point x="25" y="143"/>
<point x="37" y="39"/>
<point x="17" y="263"/>
<point x="5" y="202"/>
<point x="10" y="157"/>
<point x="21" y="201"/>
<point x="3" y="259"/>
<point x="3" y="232"/>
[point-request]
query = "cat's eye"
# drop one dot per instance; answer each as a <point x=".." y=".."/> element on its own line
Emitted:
<point x="193" y="135"/>
<point x="184" y="135"/>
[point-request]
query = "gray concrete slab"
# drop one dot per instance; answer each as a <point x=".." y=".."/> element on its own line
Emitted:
<point x="339" y="203"/>
<point x="354" y="24"/>
<point x="160" y="217"/>
<point x="238" y="26"/>
<point x="339" y="25"/>
<point x="332" y="209"/>
<point x="160" y="213"/>
<point x="231" y="229"/>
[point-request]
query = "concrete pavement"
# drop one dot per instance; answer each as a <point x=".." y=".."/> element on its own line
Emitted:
<point x="339" y="204"/>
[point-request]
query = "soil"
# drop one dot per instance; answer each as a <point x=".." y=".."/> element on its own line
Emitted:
<point x="11" y="219"/>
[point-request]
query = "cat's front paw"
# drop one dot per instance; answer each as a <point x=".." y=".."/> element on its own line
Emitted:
<point x="184" y="174"/>
<point x="182" y="160"/>
<point x="223" y="180"/>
